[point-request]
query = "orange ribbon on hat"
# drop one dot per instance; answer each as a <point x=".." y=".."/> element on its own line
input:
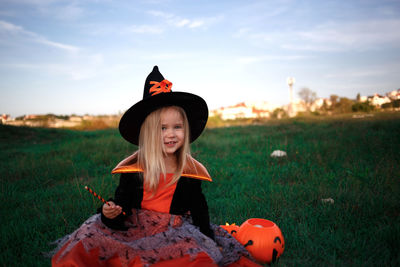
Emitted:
<point x="160" y="87"/>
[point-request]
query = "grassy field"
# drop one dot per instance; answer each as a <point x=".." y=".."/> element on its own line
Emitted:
<point x="354" y="161"/>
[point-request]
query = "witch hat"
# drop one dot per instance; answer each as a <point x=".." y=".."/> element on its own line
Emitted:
<point x="157" y="94"/>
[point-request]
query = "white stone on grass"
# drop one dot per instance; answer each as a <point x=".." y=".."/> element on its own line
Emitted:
<point x="278" y="153"/>
<point x="328" y="200"/>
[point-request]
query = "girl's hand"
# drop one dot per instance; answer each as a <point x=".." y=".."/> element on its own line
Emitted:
<point x="111" y="211"/>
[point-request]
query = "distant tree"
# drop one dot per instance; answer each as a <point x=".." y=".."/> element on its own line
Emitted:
<point x="62" y="117"/>
<point x="387" y="105"/>
<point x="279" y="113"/>
<point x="358" y="97"/>
<point x="334" y="99"/>
<point x="215" y="121"/>
<point x="344" y="105"/>
<point x="307" y="96"/>
<point x="325" y="106"/>
<point x="362" y="106"/>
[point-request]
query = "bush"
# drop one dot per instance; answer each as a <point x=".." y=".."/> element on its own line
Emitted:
<point x="279" y="113"/>
<point x="215" y="121"/>
<point x="362" y="106"/>
<point x="387" y="105"/>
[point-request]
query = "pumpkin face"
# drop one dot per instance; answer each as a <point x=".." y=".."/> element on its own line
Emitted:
<point x="232" y="229"/>
<point x="262" y="238"/>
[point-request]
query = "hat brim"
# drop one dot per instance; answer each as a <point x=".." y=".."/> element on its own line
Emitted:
<point x="195" y="107"/>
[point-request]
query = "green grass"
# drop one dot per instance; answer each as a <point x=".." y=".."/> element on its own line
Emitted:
<point x="353" y="161"/>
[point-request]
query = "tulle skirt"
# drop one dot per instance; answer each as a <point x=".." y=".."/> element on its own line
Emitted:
<point x="153" y="238"/>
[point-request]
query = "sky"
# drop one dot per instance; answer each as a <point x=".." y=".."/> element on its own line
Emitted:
<point x="93" y="56"/>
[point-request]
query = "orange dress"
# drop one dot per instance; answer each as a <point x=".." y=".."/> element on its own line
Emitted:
<point x="154" y="238"/>
<point x="161" y="200"/>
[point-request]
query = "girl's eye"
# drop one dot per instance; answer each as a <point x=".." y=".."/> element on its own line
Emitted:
<point x="163" y="128"/>
<point x="178" y="127"/>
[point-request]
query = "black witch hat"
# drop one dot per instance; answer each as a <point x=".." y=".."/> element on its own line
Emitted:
<point x="157" y="94"/>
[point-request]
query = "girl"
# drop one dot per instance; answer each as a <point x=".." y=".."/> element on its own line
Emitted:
<point x="167" y="220"/>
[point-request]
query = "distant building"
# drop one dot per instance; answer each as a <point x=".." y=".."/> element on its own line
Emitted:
<point x="30" y="117"/>
<point x="75" y="119"/>
<point x="88" y="117"/>
<point x="59" y="123"/>
<point x="4" y="118"/>
<point x="394" y="95"/>
<point x="378" y="100"/>
<point x="245" y="110"/>
<point x="298" y="106"/>
<point x="263" y="109"/>
<point x="319" y="103"/>
<point x="238" y="111"/>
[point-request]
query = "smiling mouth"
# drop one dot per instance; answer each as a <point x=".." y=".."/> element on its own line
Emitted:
<point x="172" y="143"/>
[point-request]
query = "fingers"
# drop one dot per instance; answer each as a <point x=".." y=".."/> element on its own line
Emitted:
<point x="111" y="211"/>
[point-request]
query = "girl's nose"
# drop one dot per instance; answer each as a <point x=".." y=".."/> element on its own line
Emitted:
<point x="170" y="133"/>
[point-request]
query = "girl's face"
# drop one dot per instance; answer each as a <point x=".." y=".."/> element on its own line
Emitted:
<point x="172" y="130"/>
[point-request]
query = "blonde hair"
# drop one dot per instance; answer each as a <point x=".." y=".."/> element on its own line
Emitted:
<point x="151" y="149"/>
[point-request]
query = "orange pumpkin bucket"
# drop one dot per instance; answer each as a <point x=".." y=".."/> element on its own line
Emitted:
<point x="262" y="238"/>
<point x="231" y="228"/>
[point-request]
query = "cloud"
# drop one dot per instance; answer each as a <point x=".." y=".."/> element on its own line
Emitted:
<point x="32" y="2"/>
<point x="9" y="27"/>
<point x="161" y="14"/>
<point x="255" y="59"/>
<point x="179" y="22"/>
<point x="85" y="67"/>
<point x="168" y="56"/>
<point x="365" y="72"/>
<point x="144" y="29"/>
<point x="168" y="20"/>
<point x="330" y="37"/>
<point x="69" y="12"/>
<point x="8" y="13"/>
<point x="364" y="35"/>
<point x="242" y="32"/>
<point x="182" y="22"/>
<point x="196" y="23"/>
<point x="58" y="9"/>
<point x="65" y="47"/>
<point x="354" y="74"/>
<point x="187" y="23"/>
<point x="8" y="30"/>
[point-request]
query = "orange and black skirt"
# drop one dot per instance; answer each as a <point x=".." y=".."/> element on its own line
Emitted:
<point x="152" y="239"/>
